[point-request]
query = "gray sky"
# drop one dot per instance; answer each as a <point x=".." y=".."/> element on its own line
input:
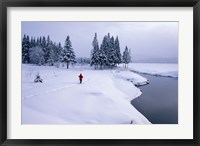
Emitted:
<point x="148" y="41"/>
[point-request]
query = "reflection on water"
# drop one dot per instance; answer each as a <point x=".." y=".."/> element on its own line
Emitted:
<point x="159" y="100"/>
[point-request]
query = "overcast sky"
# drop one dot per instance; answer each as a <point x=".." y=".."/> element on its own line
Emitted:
<point x="147" y="40"/>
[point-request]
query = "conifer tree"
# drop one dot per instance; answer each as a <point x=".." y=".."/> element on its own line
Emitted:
<point x="68" y="55"/>
<point x="109" y="51"/>
<point x="43" y="42"/>
<point x="105" y="46"/>
<point x="37" y="55"/>
<point x="95" y="52"/>
<point x="126" y="57"/>
<point x="47" y="45"/>
<point x="117" y="49"/>
<point x="31" y="42"/>
<point x="51" y="55"/>
<point x="111" y="56"/>
<point x="25" y="49"/>
<point x="102" y="58"/>
<point x="54" y="52"/>
<point x="48" y="40"/>
<point x="34" y="42"/>
<point x="57" y="51"/>
<point x="38" y="42"/>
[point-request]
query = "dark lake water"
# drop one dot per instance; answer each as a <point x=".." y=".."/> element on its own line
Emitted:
<point x="159" y="100"/>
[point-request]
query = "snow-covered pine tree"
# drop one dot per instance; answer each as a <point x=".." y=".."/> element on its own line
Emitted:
<point x="44" y="42"/>
<point x="48" y="40"/>
<point x="37" y="55"/>
<point x="25" y="49"/>
<point x="105" y="46"/>
<point x="111" y="56"/>
<point x="34" y="41"/>
<point x="50" y="50"/>
<point x="57" y="51"/>
<point x="38" y="42"/>
<point x="54" y="54"/>
<point x="108" y="49"/>
<point x="44" y="48"/>
<point x="47" y="46"/>
<point x="68" y="55"/>
<point x="118" y="53"/>
<point x="102" y="58"/>
<point x="31" y="43"/>
<point x="126" y="57"/>
<point x="95" y="52"/>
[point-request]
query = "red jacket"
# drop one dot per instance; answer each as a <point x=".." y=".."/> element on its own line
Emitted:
<point x="80" y="77"/>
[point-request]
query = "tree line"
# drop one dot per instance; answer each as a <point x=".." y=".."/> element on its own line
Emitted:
<point x="108" y="54"/>
<point x="43" y="51"/>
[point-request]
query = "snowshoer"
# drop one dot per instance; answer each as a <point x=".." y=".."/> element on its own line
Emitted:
<point x="80" y="77"/>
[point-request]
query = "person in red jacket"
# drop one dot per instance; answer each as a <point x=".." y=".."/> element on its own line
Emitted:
<point x="80" y="77"/>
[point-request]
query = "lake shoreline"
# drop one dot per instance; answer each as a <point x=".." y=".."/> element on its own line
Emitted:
<point x="163" y="89"/>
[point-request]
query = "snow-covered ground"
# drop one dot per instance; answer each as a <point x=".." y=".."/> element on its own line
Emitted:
<point x="158" y="69"/>
<point x="103" y="98"/>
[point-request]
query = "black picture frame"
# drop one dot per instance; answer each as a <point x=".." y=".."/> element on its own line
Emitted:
<point x="4" y="4"/>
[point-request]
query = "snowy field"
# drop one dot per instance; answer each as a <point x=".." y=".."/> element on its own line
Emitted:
<point x="103" y="98"/>
<point x="158" y="69"/>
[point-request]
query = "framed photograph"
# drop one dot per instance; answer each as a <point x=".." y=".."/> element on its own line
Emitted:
<point x="99" y="72"/>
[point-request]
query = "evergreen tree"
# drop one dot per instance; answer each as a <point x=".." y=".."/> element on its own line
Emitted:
<point x="46" y="48"/>
<point x="118" y="53"/>
<point x="40" y="51"/>
<point x="105" y="46"/>
<point x="83" y="61"/>
<point x="59" y="45"/>
<point x="111" y="56"/>
<point x="37" y="55"/>
<point x="51" y="55"/>
<point x="25" y="49"/>
<point x="54" y="54"/>
<point x="68" y="55"/>
<point x="44" y="42"/>
<point x="48" y="40"/>
<point x="32" y="42"/>
<point x="38" y="42"/>
<point x="126" y="57"/>
<point x="102" y="58"/>
<point x="95" y="52"/>
<point x="58" y="49"/>
<point x="110" y="51"/>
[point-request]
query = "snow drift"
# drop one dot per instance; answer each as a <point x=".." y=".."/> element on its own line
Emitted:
<point x="103" y="98"/>
<point x="157" y="69"/>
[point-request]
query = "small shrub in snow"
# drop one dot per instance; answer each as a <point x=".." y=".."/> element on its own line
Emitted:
<point x="38" y="78"/>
